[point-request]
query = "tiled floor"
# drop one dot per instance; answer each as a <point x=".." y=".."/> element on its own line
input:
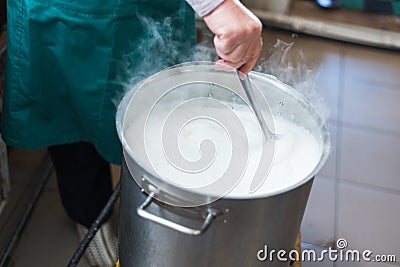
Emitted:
<point x="50" y="238"/>
<point x="357" y="194"/>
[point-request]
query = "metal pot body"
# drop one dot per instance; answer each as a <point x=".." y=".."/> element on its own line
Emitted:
<point x="237" y="238"/>
<point x="243" y="231"/>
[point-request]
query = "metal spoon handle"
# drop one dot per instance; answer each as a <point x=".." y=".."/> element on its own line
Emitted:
<point x="248" y="89"/>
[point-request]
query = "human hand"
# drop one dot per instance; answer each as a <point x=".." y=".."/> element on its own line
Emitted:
<point x="237" y="35"/>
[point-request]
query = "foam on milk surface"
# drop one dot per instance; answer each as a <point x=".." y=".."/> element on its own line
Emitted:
<point x="297" y="152"/>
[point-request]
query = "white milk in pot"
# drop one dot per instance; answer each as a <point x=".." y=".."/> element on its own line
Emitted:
<point x="296" y="154"/>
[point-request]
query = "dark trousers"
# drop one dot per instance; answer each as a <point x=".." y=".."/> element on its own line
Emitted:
<point x="84" y="180"/>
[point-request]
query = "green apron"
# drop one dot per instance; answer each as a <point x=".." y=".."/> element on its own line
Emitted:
<point x="70" y="61"/>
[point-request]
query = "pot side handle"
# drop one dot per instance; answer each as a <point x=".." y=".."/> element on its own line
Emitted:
<point x="211" y="216"/>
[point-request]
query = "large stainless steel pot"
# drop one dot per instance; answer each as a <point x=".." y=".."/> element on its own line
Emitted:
<point x="228" y="231"/>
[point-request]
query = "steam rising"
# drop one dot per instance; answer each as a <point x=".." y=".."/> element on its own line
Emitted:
<point x="288" y="65"/>
<point x="156" y="51"/>
<point x="205" y="50"/>
<point x="160" y="45"/>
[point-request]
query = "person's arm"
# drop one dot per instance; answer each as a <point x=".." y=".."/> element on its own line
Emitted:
<point x="237" y="31"/>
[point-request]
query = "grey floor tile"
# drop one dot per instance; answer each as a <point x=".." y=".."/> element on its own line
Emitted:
<point x="328" y="90"/>
<point x="371" y="65"/>
<point x="368" y="219"/>
<point x="329" y="169"/>
<point x="371" y="105"/>
<point x="12" y="213"/>
<point x="370" y="158"/>
<point x="50" y="238"/>
<point x="52" y="183"/>
<point x="318" y="222"/>
<point x="28" y="169"/>
<point x="317" y="264"/>
<point x="25" y="165"/>
<point x="321" y="260"/>
<point x="364" y="264"/>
